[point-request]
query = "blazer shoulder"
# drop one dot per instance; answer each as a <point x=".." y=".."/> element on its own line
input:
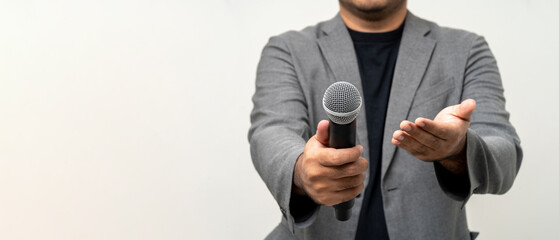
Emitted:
<point x="452" y="36"/>
<point x="303" y="38"/>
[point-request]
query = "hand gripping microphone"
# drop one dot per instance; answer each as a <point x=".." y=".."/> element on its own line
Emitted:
<point x="342" y="103"/>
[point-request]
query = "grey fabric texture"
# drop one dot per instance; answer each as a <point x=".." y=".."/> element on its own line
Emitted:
<point x="436" y="67"/>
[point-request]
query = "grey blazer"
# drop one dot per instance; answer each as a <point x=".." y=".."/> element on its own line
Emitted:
<point x="436" y="67"/>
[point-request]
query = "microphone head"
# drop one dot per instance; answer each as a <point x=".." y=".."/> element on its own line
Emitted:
<point x="342" y="102"/>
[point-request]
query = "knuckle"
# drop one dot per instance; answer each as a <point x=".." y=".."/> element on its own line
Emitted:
<point x="352" y="182"/>
<point x="356" y="182"/>
<point x="313" y="174"/>
<point x="309" y="156"/>
<point x="355" y="191"/>
<point x="319" y="188"/>
<point x="360" y="188"/>
<point x="344" y="186"/>
<point x="354" y="168"/>
<point x="320" y="199"/>
<point x="325" y="199"/>
<point x="340" y="185"/>
<point x="365" y="164"/>
<point x="335" y="158"/>
<point x="339" y="172"/>
<point x="357" y="167"/>
<point x="347" y="170"/>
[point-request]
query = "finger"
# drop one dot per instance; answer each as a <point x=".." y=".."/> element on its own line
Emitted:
<point x="322" y="133"/>
<point x="406" y="142"/>
<point x="348" y="170"/>
<point x="350" y="193"/>
<point x="465" y="109"/>
<point x="348" y="182"/>
<point x="422" y="136"/>
<point x="337" y="197"/>
<point x="438" y="129"/>
<point x="336" y="157"/>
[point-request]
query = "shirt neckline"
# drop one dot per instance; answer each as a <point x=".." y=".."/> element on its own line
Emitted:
<point x="364" y="37"/>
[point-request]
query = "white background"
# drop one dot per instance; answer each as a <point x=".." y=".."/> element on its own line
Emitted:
<point x="128" y="119"/>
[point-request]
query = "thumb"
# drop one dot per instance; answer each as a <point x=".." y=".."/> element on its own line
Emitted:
<point x="322" y="133"/>
<point x="465" y="109"/>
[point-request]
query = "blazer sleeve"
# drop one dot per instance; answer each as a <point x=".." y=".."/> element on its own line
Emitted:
<point x="493" y="148"/>
<point x="279" y="125"/>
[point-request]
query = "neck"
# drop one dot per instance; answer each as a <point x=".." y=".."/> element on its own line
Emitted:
<point x="372" y="25"/>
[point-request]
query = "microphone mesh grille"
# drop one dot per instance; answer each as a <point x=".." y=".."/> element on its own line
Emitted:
<point x="342" y="102"/>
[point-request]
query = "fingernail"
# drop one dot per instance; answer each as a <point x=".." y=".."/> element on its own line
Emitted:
<point x="360" y="148"/>
<point x="400" y="138"/>
<point x="407" y="128"/>
<point x="421" y="124"/>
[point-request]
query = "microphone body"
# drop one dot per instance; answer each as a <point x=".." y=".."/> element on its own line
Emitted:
<point x="342" y="136"/>
<point x="342" y="102"/>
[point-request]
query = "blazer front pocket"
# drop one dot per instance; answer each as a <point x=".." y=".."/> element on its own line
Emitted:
<point x="428" y="92"/>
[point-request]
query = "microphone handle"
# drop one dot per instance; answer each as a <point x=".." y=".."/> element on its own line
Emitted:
<point x="342" y="136"/>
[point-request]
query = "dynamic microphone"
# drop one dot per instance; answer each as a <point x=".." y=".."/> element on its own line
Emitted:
<point x="342" y="103"/>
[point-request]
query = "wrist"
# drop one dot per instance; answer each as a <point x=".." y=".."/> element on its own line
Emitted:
<point x="297" y="186"/>
<point x="457" y="163"/>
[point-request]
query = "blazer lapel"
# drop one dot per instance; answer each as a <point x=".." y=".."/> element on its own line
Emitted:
<point x="413" y="58"/>
<point x="337" y="47"/>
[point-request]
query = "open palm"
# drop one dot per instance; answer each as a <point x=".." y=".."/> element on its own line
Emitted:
<point x="438" y="139"/>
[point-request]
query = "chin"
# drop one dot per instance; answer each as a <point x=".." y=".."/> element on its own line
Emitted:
<point x="372" y="9"/>
<point x="367" y="5"/>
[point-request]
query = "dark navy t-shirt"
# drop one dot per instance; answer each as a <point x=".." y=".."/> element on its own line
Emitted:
<point x="376" y="55"/>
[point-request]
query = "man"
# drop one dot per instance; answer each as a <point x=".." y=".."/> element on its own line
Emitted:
<point x="435" y="128"/>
